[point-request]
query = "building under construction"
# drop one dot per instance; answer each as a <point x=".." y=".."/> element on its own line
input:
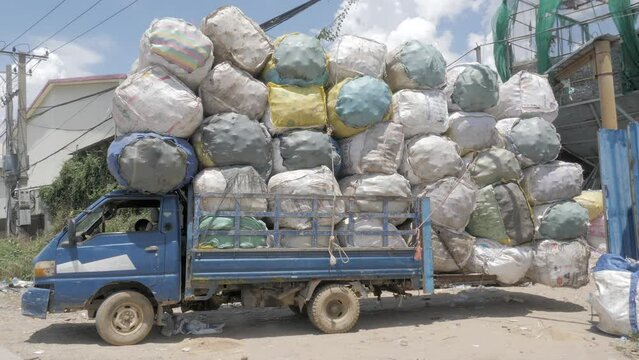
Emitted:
<point x="590" y="52"/>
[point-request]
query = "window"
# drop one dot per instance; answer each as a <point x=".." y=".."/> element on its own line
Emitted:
<point x="120" y="216"/>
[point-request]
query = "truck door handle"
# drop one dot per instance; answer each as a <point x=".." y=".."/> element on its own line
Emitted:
<point x="152" y="248"/>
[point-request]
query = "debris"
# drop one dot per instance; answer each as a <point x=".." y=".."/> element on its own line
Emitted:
<point x="39" y="352"/>
<point x="186" y="349"/>
<point x="403" y="342"/>
<point x="178" y="324"/>
<point x="17" y="283"/>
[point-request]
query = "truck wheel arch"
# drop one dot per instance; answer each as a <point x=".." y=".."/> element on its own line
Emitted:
<point x="94" y="302"/>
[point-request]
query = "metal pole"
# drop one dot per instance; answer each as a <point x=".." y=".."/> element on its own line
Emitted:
<point x="606" y="84"/>
<point x="23" y="159"/>
<point x="7" y="142"/>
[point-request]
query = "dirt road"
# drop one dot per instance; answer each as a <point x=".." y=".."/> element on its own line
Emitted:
<point x="534" y="322"/>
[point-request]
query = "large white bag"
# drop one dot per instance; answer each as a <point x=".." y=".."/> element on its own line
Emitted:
<point x="308" y="182"/>
<point x="560" y="263"/>
<point x="420" y="112"/>
<point x="526" y="95"/>
<point x="229" y="89"/>
<point x="153" y="100"/>
<point x="179" y="47"/>
<point x="430" y="158"/>
<point x="452" y="201"/>
<point x="238" y="39"/>
<point x="230" y="180"/>
<point x="472" y="131"/>
<point x="376" y="150"/>
<point x="354" y="56"/>
<point x="378" y="185"/>
<point x="552" y="182"/>
<point x="508" y="264"/>
<point x="395" y="240"/>
<point x="616" y="299"/>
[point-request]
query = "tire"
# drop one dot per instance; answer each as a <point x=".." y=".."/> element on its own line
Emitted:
<point x="124" y="318"/>
<point x="334" y="309"/>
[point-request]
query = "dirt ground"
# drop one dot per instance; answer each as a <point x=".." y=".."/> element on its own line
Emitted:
<point x="533" y="322"/>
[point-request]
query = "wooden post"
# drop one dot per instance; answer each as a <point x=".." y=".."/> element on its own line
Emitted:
<point x="606" y="84"/>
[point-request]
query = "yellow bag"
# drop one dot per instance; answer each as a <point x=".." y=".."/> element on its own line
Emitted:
<point x="592" y="200"/>
<point x="293" y="107"/>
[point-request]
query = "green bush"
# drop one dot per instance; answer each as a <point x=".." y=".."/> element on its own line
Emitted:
<point x="82" y="180"/>
<point x="16" y="256"/>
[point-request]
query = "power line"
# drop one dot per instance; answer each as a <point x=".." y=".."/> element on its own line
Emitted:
<point x="51" y="107"/>
<point x="34" y="24"/>
<point x="269" y="24"/>
<point x="68" y="24"/>
<point x="95" y="26"/>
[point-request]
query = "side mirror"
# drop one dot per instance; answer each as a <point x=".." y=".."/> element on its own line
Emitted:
<point x="73" y="240"/>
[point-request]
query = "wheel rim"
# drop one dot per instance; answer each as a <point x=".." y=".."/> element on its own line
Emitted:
<point x="127" y="318"/>
<point x="336" y="309"/>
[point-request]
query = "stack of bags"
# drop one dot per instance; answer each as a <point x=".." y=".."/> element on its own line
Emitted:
<point x="287" y="117"/>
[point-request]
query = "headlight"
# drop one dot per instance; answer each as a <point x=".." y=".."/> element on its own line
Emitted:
<point x="44" y="269"/>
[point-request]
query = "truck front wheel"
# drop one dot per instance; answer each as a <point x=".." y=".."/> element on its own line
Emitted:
<point x="124" y="318"/>
<point x="334" y="309"/>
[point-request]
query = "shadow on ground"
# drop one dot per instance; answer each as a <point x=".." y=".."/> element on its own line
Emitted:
<point x="242" y="323"/>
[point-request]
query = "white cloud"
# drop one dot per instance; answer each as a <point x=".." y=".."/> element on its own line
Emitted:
<point x="393" y="22"/>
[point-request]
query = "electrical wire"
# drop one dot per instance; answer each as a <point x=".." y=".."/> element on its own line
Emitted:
<point x="51" y="107"/>
<point x="269" y="24"/>
<point x="34" y="24"/>
<point x="68" y="24"/>
<point x="95" y="26"/>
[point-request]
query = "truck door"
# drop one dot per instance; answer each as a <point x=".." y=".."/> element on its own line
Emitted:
<point x="120" y="240"/>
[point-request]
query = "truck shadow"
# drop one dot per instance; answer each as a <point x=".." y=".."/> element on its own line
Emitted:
<point x="242" y="323"/>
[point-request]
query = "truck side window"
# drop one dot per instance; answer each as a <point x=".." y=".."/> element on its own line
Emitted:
<point x="121" y="216"/>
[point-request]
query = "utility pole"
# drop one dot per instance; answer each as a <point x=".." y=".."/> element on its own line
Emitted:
<point x="8" y="142"/>
<point x="16" y="159"/>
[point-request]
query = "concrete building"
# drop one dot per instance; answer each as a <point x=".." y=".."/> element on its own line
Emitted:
<point x="66" y="116"/>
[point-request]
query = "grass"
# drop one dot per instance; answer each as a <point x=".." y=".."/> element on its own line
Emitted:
<point x="16" y="256"/>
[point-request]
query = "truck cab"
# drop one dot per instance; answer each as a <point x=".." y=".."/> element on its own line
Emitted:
<point x="125" y="243"/>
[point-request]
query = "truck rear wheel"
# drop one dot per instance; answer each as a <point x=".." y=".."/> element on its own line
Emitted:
<point x="124" y="318"/>
<point x="334" y="309"/>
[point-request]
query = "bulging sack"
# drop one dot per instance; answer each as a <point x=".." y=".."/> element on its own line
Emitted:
<point x="494" y="165"/>
<point x="305" y="149"/>
<point x="230" y="181"/>
<point x="551" y="182"/>
<point x="430" y="158"/>
<point x="592" y="200"/>
<point x="229" y="89"/>
<point x="376" y="150"/>
<point x="415" y="65"/>
<point x="393" y="185"/>
<point x="502" y="214"/>
<point x="298" y="59"/>
<point x="231" y="139"/>
<point x="308" y="182"/>
<point x="420" y="112"/>
<point x="472" y="87"/>
<point x="560" y="263"/>
<point x="306" y="241"/>
<point x="353" y="56"/>
<point x="526" y="95"/>
<point x="356" y="104"/>
<point x="452" y="201"/>
<point x="508" y="264"/>
<point x="152" y="100"/>
<point x="451" y="250"/>
<point x="564" y="220"/>
<point x="238" y="39"/>
<point x="151" y="163"/>
<point x="292" y="107"/>
<point x="179" y="47"/>
<point x="472" y="131"/>
<point x="219" y="223"/>
<point x="534" y="140"/>
<point x="374" y="239"/>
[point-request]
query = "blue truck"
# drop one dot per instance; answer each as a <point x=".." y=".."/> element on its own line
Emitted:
<point x="128" y="280"/>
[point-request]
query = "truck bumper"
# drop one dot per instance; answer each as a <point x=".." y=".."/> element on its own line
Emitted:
<point x="35" y="302"/>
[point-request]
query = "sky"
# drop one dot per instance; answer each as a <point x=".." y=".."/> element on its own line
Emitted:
<point x="454" y="26"/>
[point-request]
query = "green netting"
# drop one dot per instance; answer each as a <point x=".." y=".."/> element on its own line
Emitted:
<point x="625" y="19"/>
<point x="546" y="18"/>
<point x="501" y="31"/>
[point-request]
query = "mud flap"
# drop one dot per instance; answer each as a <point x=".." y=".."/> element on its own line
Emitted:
<point x="35" y="302"/>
